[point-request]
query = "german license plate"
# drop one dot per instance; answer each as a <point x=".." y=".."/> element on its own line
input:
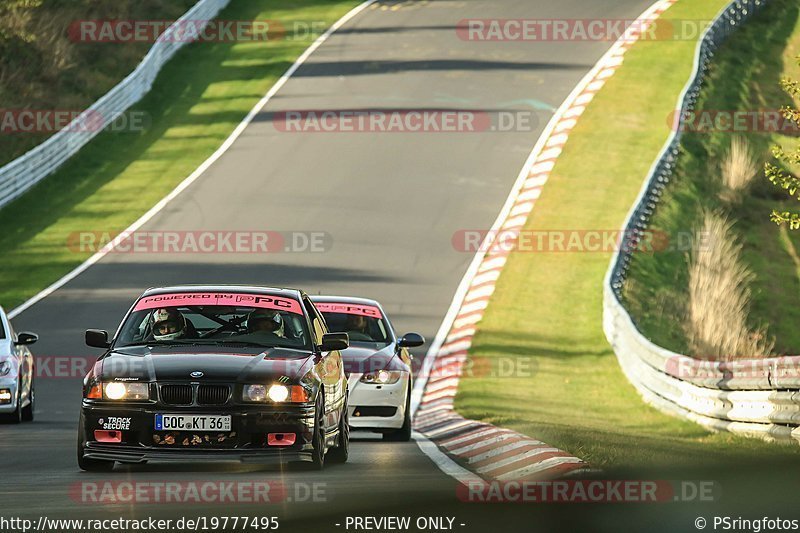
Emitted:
<point x="167" y="422"/>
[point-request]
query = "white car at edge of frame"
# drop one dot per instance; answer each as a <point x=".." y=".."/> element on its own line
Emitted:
<point x="17" y="397"/>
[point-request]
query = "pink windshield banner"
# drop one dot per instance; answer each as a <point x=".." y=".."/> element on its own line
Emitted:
<point x="263" y="301"/>
<point x="349" y="309"/>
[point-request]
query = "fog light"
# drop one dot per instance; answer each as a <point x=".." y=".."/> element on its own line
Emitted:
<point x="107" y="436"/>
<point x="5" y="396"/>
<point x="281" y="439"/>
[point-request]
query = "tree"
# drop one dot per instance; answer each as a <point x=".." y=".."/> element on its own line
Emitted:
<point x="780" y="177"/>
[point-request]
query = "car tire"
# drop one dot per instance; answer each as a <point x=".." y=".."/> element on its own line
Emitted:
<point x="14" y="417"/>
<point x="404" y="433"/>
<point x="319" y="439"/>
<point x="341" y="453"/>
<point x="27" y="411"/>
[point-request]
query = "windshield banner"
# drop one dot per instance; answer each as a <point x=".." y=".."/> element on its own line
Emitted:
<point x="189" y="299"/>
<point x="349" y="309"/>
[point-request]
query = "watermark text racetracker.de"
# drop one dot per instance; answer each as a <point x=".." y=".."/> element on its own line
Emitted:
<point x="573" y="240"/>
<point x="200" y="242"/>
<point x="48" y="121"/>
<point x="405" y="121"/>
<point x="478" y="367"/>
<point x="706" y="121"/>
<point x="579" y="30"/>
<point x="589" y="491"/>
<point x="201" y="492"/>
<point x="194" y="30"/>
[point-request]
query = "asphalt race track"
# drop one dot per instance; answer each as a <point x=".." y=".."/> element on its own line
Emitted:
<point x="390" y="204"/>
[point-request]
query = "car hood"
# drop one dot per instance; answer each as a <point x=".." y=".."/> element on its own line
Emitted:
<point x="358" y="360"/>
<point x="177" y="364"/>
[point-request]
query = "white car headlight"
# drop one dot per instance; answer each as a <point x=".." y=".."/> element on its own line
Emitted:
<point x="126" y="391"/>
<point x="5" y="368"/>
<point x="382" y="377"/>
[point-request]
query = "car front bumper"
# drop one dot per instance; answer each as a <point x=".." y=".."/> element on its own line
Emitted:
<point x="377" y="407"/>
<point x="248" y="441"/>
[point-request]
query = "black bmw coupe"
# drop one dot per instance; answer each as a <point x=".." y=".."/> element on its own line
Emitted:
<point x="216" y="372"/>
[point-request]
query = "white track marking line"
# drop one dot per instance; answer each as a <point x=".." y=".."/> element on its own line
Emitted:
<point x="445" y="464"/>
<point x="525" y="179"/>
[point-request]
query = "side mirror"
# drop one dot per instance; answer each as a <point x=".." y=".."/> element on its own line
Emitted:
<point x="97" y="338"/>
<point x="26" y="338"/>
<point x="334" y="341"/>
<point x="411" y="340"/>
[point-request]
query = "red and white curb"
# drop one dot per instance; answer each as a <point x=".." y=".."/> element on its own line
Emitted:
<point x="480" y="450"/>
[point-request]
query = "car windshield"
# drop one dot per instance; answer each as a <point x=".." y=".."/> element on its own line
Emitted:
<point x="363" y="323"/>
<point x="263" y="325"/>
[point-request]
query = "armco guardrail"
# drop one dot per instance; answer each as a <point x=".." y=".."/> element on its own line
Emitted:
<point x="759" y="398"/>
<point x="26" y="171"/>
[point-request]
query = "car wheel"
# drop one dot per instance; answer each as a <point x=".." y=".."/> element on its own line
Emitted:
<point x="14" y="417"/>
<point x="318" y="461"/>
<point x="27" y="411"/>
<point x="404" y="433"/>
<point x="342" y="450"/>
<point x="92" y="465"/>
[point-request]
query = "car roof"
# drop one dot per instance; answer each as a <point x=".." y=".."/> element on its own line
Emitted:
<point x="345" y="300"/>
<point x="244" y="289"/>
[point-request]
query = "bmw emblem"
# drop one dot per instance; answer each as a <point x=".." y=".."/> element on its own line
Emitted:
<point x="197" y="374"/>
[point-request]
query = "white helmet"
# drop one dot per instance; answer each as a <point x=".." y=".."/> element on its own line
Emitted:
<point x="168" y="325"/>
<point x="265" y="320"/>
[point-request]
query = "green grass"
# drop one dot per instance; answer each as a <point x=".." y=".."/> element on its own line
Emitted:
<point x="745" y="76"/>
<point x="547" y="310"/>
<point x="197" y="101"/>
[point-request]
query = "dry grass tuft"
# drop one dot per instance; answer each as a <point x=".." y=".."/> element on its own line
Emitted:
<point x="739" y="168"/>
<point x="719" y="297"/>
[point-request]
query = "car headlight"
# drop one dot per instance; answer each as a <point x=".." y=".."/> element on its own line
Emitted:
<point x="5" y="368"/>
<point x="275" y="393"/>
<point x="117" y="390"/>
<point x="382" y="377"/>
<point x="255" y="393"/>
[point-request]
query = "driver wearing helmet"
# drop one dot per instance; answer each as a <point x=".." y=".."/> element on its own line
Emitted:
<point x="266" y="321"/>
<point x="357" y="324"/>
<point x="168" y="325"/>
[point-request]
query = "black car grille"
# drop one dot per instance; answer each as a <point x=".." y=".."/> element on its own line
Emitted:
<point x="212" y="394"/>
<point x="176" y="394"/>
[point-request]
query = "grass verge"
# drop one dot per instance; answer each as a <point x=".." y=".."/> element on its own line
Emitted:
<point x="196" y="102"/>
<point x="745" y="76"/>
<point x="546" y="313"/>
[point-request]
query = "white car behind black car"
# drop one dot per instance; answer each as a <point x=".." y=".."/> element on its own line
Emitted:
<point x="16" y="373"/>
<point x="377" y="364"/>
